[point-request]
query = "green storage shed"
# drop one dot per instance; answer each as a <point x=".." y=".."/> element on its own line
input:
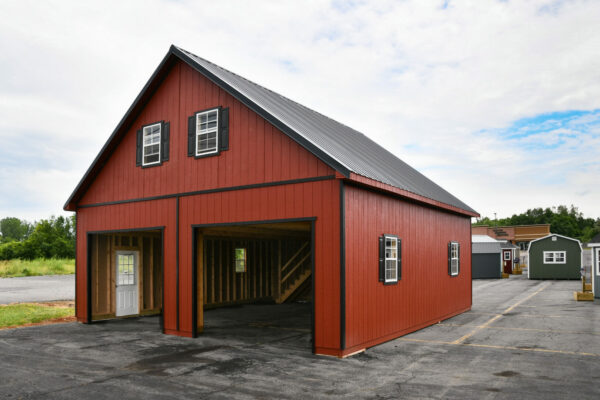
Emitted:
<point x="554" y="257"/>
<point x="594" y="245"/>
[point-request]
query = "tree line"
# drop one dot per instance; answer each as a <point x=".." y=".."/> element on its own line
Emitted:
<point x="563" y="220"/>
<point x="47" y="238"/>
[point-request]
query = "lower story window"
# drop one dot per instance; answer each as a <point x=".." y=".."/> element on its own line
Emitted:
<point x="391" y="259"/>
<point x="454" y="258"/>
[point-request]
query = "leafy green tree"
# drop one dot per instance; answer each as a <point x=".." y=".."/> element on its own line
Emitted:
<point x="563" y="220"/>
<point x="13" y="228"/>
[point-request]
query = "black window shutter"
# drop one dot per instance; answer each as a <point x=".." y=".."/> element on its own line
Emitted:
<point x="224" y="130"/>
<point x="381" y="259"/>
<point x="449" y="258"/>
<point x="399" y="258"/>
<point x="192" y="135"/>
<point x="458" y="261"/>
<point x="164" y="139"/>
<point x="138" y="148"/>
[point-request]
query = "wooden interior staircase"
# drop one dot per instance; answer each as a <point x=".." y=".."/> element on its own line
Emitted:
<point x="294" y="273"/>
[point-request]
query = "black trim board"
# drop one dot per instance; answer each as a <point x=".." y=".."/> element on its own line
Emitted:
<point x="194" y="284"/>
<point x="312" y="278"/>
<point x="342" y="267"/>
<point x="177" y="259"/>
<point x="264" y="221"/>
<point x="89" y="278"/>
<point x="209" y="191"/>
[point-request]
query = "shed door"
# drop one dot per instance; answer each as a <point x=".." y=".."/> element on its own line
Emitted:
<point x="507" y="257"/>
<point x="596" y="275"/>
<point x="127" y="283"/>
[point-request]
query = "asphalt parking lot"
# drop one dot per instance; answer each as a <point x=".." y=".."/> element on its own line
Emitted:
<point x="523" y="339"/>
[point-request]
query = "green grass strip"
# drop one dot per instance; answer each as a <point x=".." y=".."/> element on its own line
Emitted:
<point x="22" y="314"/>
<point x="37" y="267"/>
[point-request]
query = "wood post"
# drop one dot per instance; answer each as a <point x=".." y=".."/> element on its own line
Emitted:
<point x="200" y="264"/>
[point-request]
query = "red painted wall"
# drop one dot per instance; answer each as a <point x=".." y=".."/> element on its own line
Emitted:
<point x="258" y="152"/>
<point x="312" y="199"/>
<point x="426" y="293"/>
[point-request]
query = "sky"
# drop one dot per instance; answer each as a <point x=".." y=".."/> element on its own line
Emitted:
<point x="496" y="101"/>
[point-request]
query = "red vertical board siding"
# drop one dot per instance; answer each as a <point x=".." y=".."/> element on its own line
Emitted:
<point x="426" y="292"/>
<point x="258" y="152"/>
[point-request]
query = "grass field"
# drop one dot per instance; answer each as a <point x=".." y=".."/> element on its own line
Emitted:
<point x="14" y="315"/>
<point x="37" y="267"/>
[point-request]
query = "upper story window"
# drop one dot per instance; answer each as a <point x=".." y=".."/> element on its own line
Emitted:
<point x="453" y="258"/>
<point x="151" y="150"/>
<point x="208" y="132"/>
<point x="152" y="144"/>
<point x="390" y="259"/>
<point x="555" y="257"/>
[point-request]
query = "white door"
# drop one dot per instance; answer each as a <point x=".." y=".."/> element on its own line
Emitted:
<point x="127" y="283"/>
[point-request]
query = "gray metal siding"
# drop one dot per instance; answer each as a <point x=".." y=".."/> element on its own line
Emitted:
<point x="486" y="266"/>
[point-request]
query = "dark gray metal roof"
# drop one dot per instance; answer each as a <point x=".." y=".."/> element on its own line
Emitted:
<point x="508" y="245"/>
<point x="340" y="146"/>
<point x="486" y="248"/>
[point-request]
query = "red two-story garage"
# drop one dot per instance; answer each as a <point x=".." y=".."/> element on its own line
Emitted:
<point x="213" y="191"/>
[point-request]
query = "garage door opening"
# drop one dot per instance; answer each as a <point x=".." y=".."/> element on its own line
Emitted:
<point x="126" y="274"/>
<point x="258" y="273"/>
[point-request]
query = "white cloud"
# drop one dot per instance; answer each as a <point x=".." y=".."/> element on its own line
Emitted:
<point x="438" y="87"/>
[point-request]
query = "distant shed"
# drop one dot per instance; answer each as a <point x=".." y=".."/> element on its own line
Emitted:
<point x="594" y="245"/>
<point x="509" y="255"/>
<point x="486" y="260"/>
<point x="554" y="257"/>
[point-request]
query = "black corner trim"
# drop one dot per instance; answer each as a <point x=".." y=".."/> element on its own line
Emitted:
<point x="177" y="258"/>
<point x="312" y="278"/>
<point x="89" y="278"/>
<point x="342" y="267"/>
<point x="194" y="284"/>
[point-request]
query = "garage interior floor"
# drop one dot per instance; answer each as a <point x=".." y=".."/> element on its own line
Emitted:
<point x="525" y="339"/>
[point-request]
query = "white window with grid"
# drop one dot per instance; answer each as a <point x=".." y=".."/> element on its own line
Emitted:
<point x="391" y="259"/>
<point x="125" y="269"/>
<point x="207" y="132"/>
<point x="454" y="258"/>
<point x="151" y="144"/>
<point x="555" y="257"/>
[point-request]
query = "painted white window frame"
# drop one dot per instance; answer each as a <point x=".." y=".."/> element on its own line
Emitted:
<point x="207" y="131"/>
<point x="597" y="261"/>
<point x="144" y="145"/>
<point x="393" y="256"/>
<point x="555" y="255"/>
<point x="454" y="256"/>
<point x="507" y="253"/>
<point x="130" y="275"/>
